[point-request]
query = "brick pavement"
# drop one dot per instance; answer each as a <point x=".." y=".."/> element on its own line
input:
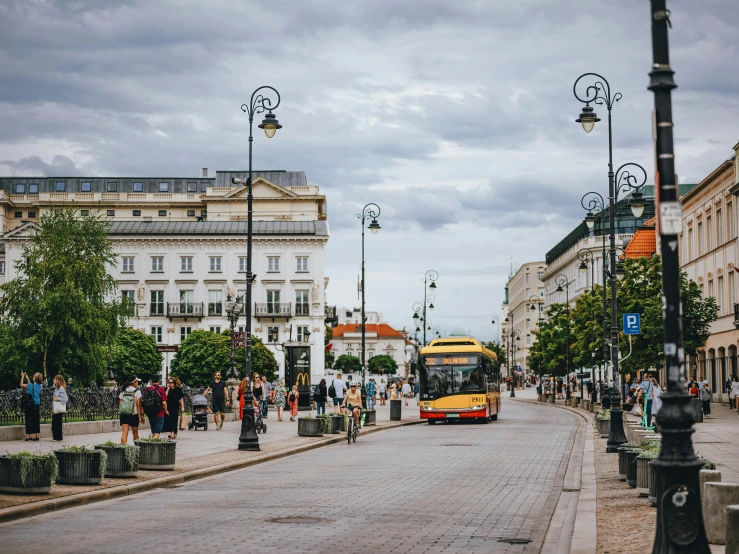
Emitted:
<point x="448" y="488"/>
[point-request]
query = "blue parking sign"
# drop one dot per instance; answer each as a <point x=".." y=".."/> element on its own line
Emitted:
<point x="632" y="324"/>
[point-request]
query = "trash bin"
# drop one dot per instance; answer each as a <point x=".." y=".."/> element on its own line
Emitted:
<point x="698" y="409"/>
<point x="396" y="407"/>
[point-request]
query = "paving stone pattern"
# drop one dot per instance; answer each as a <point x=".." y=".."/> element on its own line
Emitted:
<point x="418" y="489"/>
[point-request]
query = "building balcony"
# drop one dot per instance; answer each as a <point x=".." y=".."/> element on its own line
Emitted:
<point x="302" y="309"/>
<point x="184" y="310"/>
<point x="273" y="310"/>
<point x="330" y="316"/>
<point x="736" y="316"/>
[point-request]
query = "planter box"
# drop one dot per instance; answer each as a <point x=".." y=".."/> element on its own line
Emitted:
<point x="540" y="397"/>
<point x="309" y="427"/>
<point x="338" y="424"/>
<point x="642" y="476"/>
<point x="370" y="417"/>
<point x="604" y="427"/>
<point x="708" y="476"/>
<point x="652" y="497"/>
<point x="81" y="468"/>
<point x="697" y="406"/>
<point x="551" y="398"/>
<point x="38" y="480"/>
<point x="157" y="456"/>
<point x="586" y="405"/>
<point x="117" y="465"/>
<point x="622" y="462"/>
<point x="631" y="456"/>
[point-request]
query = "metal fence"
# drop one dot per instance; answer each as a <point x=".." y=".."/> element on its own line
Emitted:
<point x="84" y="404"/>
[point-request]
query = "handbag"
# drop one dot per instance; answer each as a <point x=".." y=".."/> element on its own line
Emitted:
<point x="183" y="421"/>
<point x="58" y="407"/>
<point x="26" y="401"/>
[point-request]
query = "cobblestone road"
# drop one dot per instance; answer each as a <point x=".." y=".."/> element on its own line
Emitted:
<point x="424" y="489"/>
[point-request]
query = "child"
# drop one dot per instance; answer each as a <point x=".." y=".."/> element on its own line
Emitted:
<point x="292" y="401"/>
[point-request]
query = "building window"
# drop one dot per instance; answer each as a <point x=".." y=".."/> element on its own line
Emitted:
<point x="2" y="267"/>
<point x="215" y="302"/>
<point x="720" y="294"/>
<point x="110" y="213"/>
<point x="18" y="214"/>
<point x="370" y="354"/>
<point x="192" y="187"/>
<point x="273" y="263"/>
<point x="242" y="264"/>
<point x="709" y="234"/>
<point x="303" y="333"/>
<point x="84" y="212"/>
<point x="528" y="339"/>
<point x="60" y="186"/>
<point x="20" y="188"/>
<point x="136" y="213"/>
<point x="710" y="288"/>
<point x="184" y="332"/>
<point x="719" y="228"/>
<point x="156" y="332"/>
<point x="690" y="244"/>
<point x="162" y="213"/>
<point x="203" y="213"/>
<point x="731" y="290"/>
<point x="215" y="329"/>
<point x="540" y="275"/>
<point x="112" y="186"/>
<point x="302" y="264"/>
<point x="31" y="214"/>
<point x="215" y="264"/>
<point x="301" y="302"/>
<point x="270" y="331"/>
<point x="157" y="263"/>
<point x="33" y="188"/>
<point x="128" y="264"/>
<point x="190" y="213"/>
<point x="138" y="187"/>
<point x="186" y="264"/>
<point x="527" y="279"/>
<point x="163" y="187"/>
<point x="129" y="294"/>
<point x="273" y="301"/>
<point x="86" y="187"/>
<point x="699" y="246"/>
<point x="730" y="217"/>
<point x="157" y="302"/>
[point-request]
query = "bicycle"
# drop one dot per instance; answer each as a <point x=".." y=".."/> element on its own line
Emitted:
<point x="352" y="429"/>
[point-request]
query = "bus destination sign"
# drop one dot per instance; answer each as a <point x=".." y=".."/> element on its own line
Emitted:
<point x="452" y="360"/>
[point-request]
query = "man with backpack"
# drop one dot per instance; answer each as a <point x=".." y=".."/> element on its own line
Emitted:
<point x="336" y="391"/>
<point x="155" y="406"/>
<point x="129" y="408"/>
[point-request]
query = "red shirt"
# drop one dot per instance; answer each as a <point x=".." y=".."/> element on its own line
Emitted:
<point x="163" y="395"/>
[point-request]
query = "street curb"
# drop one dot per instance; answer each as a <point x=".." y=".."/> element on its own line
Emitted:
<point x="55" y="504"/>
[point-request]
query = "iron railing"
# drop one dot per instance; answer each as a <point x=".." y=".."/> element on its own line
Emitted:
<point x="273" y="309"/>
<point x="90" y="404"/>
<point x="184" y="309"/>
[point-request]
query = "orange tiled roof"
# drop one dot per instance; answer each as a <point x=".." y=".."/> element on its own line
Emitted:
<point x="382" y="330"/>
<point x="644" y="243"/>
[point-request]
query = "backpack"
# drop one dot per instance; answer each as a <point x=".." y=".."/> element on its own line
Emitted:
<point x="152" y="402"/>
<point x="291" y="398"/>
<point x="332" y="390"/>
<point x="128" y="402"/>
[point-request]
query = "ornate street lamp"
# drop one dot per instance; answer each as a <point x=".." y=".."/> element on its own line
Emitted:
<point x="561" y="280"/>
<point x="234" y="309"/>
<point x="371" y="210"/>
<point x="259" y="103"/>
<point x="515" y="336"/>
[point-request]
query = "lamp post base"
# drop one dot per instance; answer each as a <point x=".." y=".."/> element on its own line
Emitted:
<point x="616" y="437"/>
<point x="248" y="439"/>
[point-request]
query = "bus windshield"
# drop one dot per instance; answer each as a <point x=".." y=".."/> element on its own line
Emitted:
<point x="453" y="374"/>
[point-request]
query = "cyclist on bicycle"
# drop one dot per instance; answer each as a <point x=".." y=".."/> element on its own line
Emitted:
<point x="353" y="401"/>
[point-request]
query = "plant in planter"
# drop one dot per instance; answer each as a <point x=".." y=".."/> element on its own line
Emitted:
<point x="603" y="414"/>
<point x="642" y="471"/>
<point x="708" y="464"/>
<point x="123" y="459"/>
<point x="309" y="426"/>
<point x="156" y="454"/>
<point x="26" y="473"/>
<point x="79" y="465"/>
<point x="338" y="423"/>
<point x="325" y="423"/>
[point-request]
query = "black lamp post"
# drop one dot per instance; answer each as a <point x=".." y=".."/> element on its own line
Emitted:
<point x="369" y="211"/>
<point x="679" y="517"/>
<point x="561" y="280"/>
<point x="599" y="92"/>
<point x="259" y="103"/>
<point x="515" y="336"/>
<point x="495" y="319"/>
<point x="433" y="276"/>
<point x="233" y="312"/>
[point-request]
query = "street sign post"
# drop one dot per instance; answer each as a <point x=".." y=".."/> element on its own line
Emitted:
<point x="632" y="324"/>
<point x="239" y="339"/>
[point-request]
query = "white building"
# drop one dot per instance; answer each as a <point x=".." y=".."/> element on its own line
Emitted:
<point x="380" y="338"/>
<point x="346" y="316"/>
<point x="182" y="250"/>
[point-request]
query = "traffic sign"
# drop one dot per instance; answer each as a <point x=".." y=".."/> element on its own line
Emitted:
<point x="632" y="324"/>
<point x="239" y="339"/>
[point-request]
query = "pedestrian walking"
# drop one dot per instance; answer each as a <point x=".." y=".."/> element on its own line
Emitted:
<point x="735" y="391"/>
<point x="393" y="391"/>
<point x="406" y="390"/>
<point x="336" y="392"/>
<point x="706" y="396"/>
<point x="258" y="391"/>
<point x="694" y="389"/>
<point x="647" y="388"/>
<point x="31" y="404"/>
<point x="70" y="386"/>
<point x="417" y="391"/>
<point x="266" y="390"/>
<point x="154" y="403"/>
<point x="176" y="405"/>
<point x="280" y="402"/>
<point x="292" y="401"/>
<point x="370" y="388"/>
<point x="319" y="396"/>
<point x="382" y="391"/>
<point x="129" y="409"/>
<point x="220" y="399"/>
<point x="58" y="408"/>
<point x="656" y="397"/>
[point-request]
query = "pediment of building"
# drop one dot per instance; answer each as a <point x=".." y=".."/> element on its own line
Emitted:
<point x="23" y="231"/>
<point x="261" y="188"/>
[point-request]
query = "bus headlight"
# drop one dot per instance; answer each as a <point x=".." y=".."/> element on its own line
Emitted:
<point x="482" y="407"/>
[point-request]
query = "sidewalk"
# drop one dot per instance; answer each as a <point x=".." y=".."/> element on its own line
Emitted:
<point x="199" y="454"/>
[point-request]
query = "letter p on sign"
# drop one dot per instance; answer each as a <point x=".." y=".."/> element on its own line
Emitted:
<point x="632" y="324"/>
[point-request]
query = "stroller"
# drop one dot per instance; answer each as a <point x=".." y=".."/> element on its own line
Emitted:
<point x="199" y="413"/>
<point x="259" y="423"/>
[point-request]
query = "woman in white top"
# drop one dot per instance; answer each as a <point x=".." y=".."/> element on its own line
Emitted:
<point x="656" y="394"/>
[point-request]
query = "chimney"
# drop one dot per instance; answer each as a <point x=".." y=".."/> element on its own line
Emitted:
<point x="205" y="172"/>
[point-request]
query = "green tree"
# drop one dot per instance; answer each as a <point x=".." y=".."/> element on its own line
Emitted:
<point x="13" y="357"/>
<point x="135" y="353"/>
<point x="382" y="364"/>
<point x="64" y="306"/>
<point x="586" y="329"/>
<point x="499" y="353"/>
<point x="548" y="352"/>
<point x="262" y="359"/>
<point x="346" y="363"/>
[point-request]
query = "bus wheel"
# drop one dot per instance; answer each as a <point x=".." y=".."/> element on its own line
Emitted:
<point x="431" y="421"/>
<point x="482" y="419"/>
<point x="494" y="417"/>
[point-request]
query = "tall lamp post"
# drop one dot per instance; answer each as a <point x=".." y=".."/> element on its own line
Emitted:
<point x="561" y="280"/>
<point x="234" y="309"/>
<point x="515" y="336"/>
<point x="259" y="103"/>
<point x="599" y="92"/>
<point x="371" y="210"/>
<point x="679" y="519"/>
<point x="433" y="276"/>
<point x="495" y="319"/>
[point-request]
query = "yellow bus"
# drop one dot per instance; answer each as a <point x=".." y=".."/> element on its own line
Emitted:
<point x="460" y="379"/>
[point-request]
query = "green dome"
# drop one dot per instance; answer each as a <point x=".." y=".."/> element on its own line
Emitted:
<point x="457" y="332"/>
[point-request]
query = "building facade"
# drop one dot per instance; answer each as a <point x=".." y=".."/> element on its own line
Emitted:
<point x="181" y="246"/>
<point x="708" y="254"/>
<point x="380" y="338"/>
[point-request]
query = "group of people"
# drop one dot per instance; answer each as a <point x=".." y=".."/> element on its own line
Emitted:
<point x="265" y="393"/>
<point x="164" y="408"/>
<point x="31" y="405"/>
<point x="376" y="392"/>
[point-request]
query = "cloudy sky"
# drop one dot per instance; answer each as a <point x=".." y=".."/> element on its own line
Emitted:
<point x="455" y="116"/>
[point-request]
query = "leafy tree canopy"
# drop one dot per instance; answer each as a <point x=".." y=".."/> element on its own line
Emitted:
<point x="135" y="353"/>
<point x="346" y="363"/>
<point x="382" y="364"/>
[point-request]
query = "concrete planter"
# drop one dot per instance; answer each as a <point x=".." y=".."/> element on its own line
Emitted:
<point x="631" y="456"/>
<point x="622" y="462"/>
<point x="574" y="402"/>
<point x="697" y="406"/>
<point x="539" y="397"/>
<point x="118" y="464"/>
<point x="370" y="417"/>
<point x="586" y="405"/>
<point x="157" y="456"/>
<point x="37" y="481"/>
<point x="396" y="410"/>
<point x="642" y="475"/>
<point x="604" y="427"/>
<point x="309" y="427"/>
<point x="551" y="398"/>
<point x="708" y="476"/>
<point x="592" y="406"/>
<point x="716" y="498"/>
<point x="81" y="468"/>
<point x="652" y="497"/>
